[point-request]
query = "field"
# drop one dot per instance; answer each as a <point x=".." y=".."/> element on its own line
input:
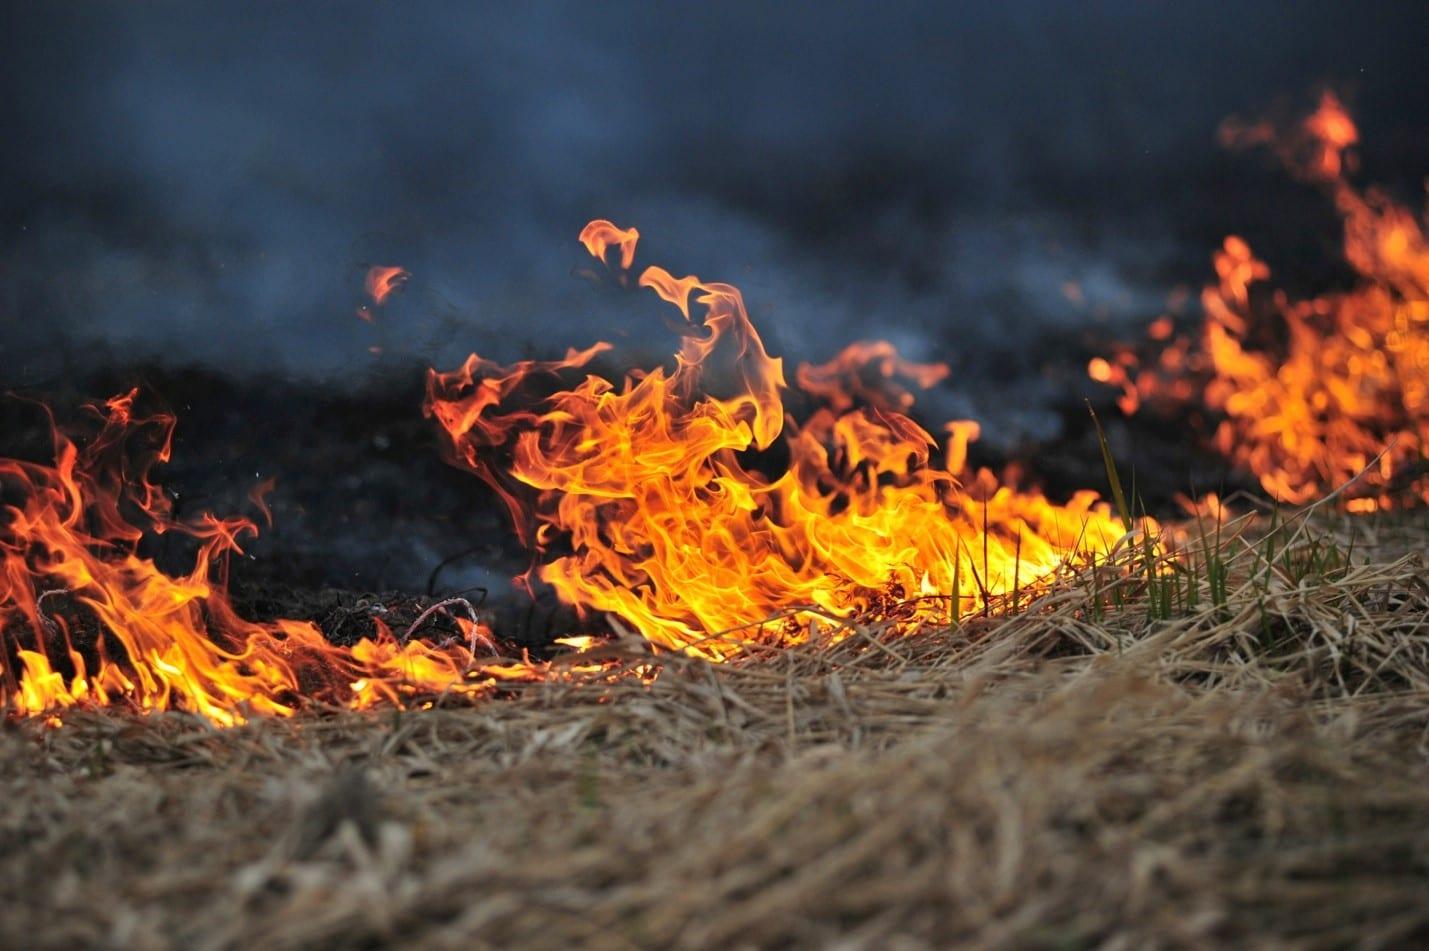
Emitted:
<point x="1234" y="755"/>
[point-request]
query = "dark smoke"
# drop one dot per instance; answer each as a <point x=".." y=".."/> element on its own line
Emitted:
<point x="204" y="181"/>
<point x="201" y="184"/>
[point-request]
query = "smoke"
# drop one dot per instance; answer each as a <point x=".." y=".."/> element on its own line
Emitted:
<point x="206" y="184"/>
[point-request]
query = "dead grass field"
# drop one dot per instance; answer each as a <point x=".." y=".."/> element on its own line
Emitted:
<point x="1249" y="772"/>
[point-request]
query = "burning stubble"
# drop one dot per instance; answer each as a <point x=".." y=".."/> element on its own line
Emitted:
<point x="697" y="506"/>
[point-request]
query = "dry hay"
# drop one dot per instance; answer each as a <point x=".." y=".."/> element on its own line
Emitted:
<point x="1253" y="771"/>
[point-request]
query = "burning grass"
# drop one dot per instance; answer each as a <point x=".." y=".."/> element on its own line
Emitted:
<point x="1308" y="393"/>
<point x="1246" y="765"/>
<point x="660" y="501"/>
<point x="860" y="691"/>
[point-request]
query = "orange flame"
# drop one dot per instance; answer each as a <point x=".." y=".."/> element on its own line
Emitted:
<point x="87" y="621"/>
<point x="1312" y="393"/>
<point x="382" y="280"/>
<point x="844" y="381"/>
<point x="653" y="501"/>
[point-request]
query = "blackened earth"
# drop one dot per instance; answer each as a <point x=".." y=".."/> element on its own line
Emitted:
<point x="370" y="522"/>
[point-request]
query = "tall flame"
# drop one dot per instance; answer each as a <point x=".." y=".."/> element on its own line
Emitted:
<point x="1311" y="393"/>
<point x="658" y="499"/>
<point x="86" y="621"/>
<point x="688" y="501"/>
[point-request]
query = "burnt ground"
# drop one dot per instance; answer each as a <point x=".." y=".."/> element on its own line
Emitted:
<point x="369" y="521"/>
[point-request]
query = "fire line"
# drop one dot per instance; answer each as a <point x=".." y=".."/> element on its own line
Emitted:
<point x="642" y="499"/>
<point x="1310" y="395"/>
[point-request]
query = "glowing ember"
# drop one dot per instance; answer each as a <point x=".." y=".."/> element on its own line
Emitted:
<point x="655" y="500"/>
<point x="1311" y="393"/>
<point x="88" y="622"/>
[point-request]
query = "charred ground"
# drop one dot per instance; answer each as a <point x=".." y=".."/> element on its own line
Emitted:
<point x="367" y="519"/>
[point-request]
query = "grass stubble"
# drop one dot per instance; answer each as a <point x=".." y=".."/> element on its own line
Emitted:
<point x="1226" y="746"/>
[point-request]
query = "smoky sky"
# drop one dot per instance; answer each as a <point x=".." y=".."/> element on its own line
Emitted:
<point x="204" y="183"/>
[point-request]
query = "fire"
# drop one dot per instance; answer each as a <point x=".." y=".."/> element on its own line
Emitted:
<point x="845" y="381"/>
<point x="87" y="621"/>
<point x="690" y="502"/>
<point x="382" y="280"/>
<point x="1311" y="394"/>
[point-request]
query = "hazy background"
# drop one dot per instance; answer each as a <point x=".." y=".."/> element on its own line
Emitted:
<point x="204" y="183"/>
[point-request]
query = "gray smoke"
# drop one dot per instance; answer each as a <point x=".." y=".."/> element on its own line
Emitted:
<point x="205" y="182"/>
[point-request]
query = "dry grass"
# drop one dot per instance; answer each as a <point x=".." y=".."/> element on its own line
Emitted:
<point x="1253" y="771"/>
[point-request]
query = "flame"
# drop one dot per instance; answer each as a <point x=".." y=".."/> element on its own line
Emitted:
<point x="845" y="381"/>
<point x="382" y="280"/>
<point x="1312" y="394"/>
<point x="88" y="621"/>
<point x="688" y="501"/>
<point x="659" y="499"/>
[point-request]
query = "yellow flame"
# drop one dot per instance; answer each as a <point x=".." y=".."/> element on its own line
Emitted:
<point x="651" y="500"/>
<point x="86" y="621"/>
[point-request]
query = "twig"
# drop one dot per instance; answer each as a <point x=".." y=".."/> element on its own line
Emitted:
<point x="476" y="635"/>
<point x="47" y="622"/>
